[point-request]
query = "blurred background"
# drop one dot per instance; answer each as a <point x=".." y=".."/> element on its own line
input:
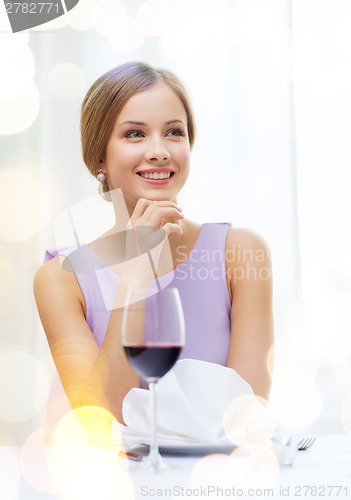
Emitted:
<point x="270" y="84"/>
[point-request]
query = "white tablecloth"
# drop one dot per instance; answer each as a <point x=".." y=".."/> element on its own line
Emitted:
<point x="84" y="473"/>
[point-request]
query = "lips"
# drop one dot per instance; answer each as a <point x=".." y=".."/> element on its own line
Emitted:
<point x="156" y="176"/>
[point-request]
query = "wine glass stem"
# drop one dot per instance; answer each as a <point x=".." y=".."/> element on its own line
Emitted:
<point x="154" y="454"/>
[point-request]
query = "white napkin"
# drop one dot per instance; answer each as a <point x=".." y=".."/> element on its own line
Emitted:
<point x="191" y="400"/>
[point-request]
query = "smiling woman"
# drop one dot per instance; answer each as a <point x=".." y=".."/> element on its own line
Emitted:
<point x="147" y="154"/>
<point x="107" y="98"/>
<point x="137" y="132"/>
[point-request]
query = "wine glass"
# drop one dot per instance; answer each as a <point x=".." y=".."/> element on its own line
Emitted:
<point x="153" y="334"/>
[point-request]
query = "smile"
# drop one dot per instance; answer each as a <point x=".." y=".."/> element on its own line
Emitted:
<point x="155" y="175"/>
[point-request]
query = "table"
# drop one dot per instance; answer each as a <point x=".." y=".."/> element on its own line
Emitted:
<point x="90" y="472"/>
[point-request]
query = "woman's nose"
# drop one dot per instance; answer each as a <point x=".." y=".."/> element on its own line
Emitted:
<point x="157" y="152"/>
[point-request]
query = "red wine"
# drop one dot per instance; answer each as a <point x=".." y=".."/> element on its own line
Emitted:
<point x="152" y="362"/>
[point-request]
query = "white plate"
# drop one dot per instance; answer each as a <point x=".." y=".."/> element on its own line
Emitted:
<point x="195" y="449"/>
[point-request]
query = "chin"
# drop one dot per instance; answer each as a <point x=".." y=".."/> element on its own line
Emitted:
<point x="158" y="196"/>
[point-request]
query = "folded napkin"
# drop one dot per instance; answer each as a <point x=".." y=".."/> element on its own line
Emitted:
<point x="191" y="400"/>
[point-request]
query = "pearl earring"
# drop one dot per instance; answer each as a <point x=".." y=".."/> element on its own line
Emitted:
<point x="101" y="176"/>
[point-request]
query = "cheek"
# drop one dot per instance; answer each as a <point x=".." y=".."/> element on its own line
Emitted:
<point x="183" y="158"/>
<point x="122" y="156"/>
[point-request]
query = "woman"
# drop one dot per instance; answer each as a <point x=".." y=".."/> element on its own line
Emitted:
<point x="137" y="131"/>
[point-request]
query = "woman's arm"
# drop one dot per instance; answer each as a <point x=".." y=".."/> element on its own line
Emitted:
<point x="89" y="375"/>
<point x="250" y="283"/>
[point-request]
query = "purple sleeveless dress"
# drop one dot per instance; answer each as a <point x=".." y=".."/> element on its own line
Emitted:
<point x="201" y="281"/>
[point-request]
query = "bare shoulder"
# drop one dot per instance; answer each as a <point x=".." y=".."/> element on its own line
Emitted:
<point x="53" y="280"/>
<point x="248" y="261"/>
<point x="241" y="239"/>
<point x="51" y="271"/>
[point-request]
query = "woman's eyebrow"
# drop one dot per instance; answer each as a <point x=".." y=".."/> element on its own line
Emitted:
<point x="142" y="124"/>
<point x="174" y="121"/>
<point x="132" y="122"/>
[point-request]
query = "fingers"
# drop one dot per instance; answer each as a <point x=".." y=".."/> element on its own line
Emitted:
<point x="143" y="203"/>
<point x="153" y="213"/>
<point x="157" y="215"/>
<point x="172" y="228"/>
<point x="140" y="208"/>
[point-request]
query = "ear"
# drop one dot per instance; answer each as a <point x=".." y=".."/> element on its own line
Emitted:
<point x="101" y="164"/>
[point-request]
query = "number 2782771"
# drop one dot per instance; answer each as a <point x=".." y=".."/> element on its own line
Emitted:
<point x="32" y="8"/>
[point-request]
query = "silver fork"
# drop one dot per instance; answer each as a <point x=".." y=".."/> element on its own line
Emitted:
<point x="291" y="445"/>
<point x="306" y="443"/>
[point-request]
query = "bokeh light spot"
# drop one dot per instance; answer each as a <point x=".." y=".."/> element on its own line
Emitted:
<point x="248" y="422"/>
<point x="36" y="461"/>
<point x="105" y="15"/>
<point x="19" y="112"/>
<point x="9" y="474"/>
<point x="287" y="358"/>
<point x="249" y="25"/>
<point x="255" y="468"/>
<point x="5" y="26"/>
<point x="87" y="465"/>
<point x="85" y="425"/>
<point x="128" y="35"/>
<point x="7" y="273"/>
<point x="91" y="472"/>
<point x="212" y="470"/>
<point x="6" y="259"/>
<point x="155" y="16"/>
<point x="66" y="81"/>
<point x="19" y="64"/>
<point x="296" y="401"/>
<point x="55" y="24"/>
<point x="12" y="44"/>
<point x="81" y="17"/>
<point x="243" y="469"/>
<point x="27" y="386"/>
<point x="199" y="31"/>
<point x="23" y="194"/>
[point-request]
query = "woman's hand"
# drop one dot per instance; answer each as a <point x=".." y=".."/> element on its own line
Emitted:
<point x="147" y="248"/>
<point x="155" y="213"/>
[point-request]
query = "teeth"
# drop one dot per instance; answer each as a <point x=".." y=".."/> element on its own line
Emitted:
<point x="155" y="175"/>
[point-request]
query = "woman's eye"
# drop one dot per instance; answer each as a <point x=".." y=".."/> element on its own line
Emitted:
<point x="176" y="132"/>
<point x="134" y="134"/>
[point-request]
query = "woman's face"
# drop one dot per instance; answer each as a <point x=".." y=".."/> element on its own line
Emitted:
<point x="148" y="152"/>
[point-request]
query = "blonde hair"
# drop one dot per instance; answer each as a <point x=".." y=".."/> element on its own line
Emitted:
<point x="106" y="98"/>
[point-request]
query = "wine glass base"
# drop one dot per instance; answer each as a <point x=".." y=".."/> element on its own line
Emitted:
<point x="156" y="467"/>
<point x="155" y="462"/>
